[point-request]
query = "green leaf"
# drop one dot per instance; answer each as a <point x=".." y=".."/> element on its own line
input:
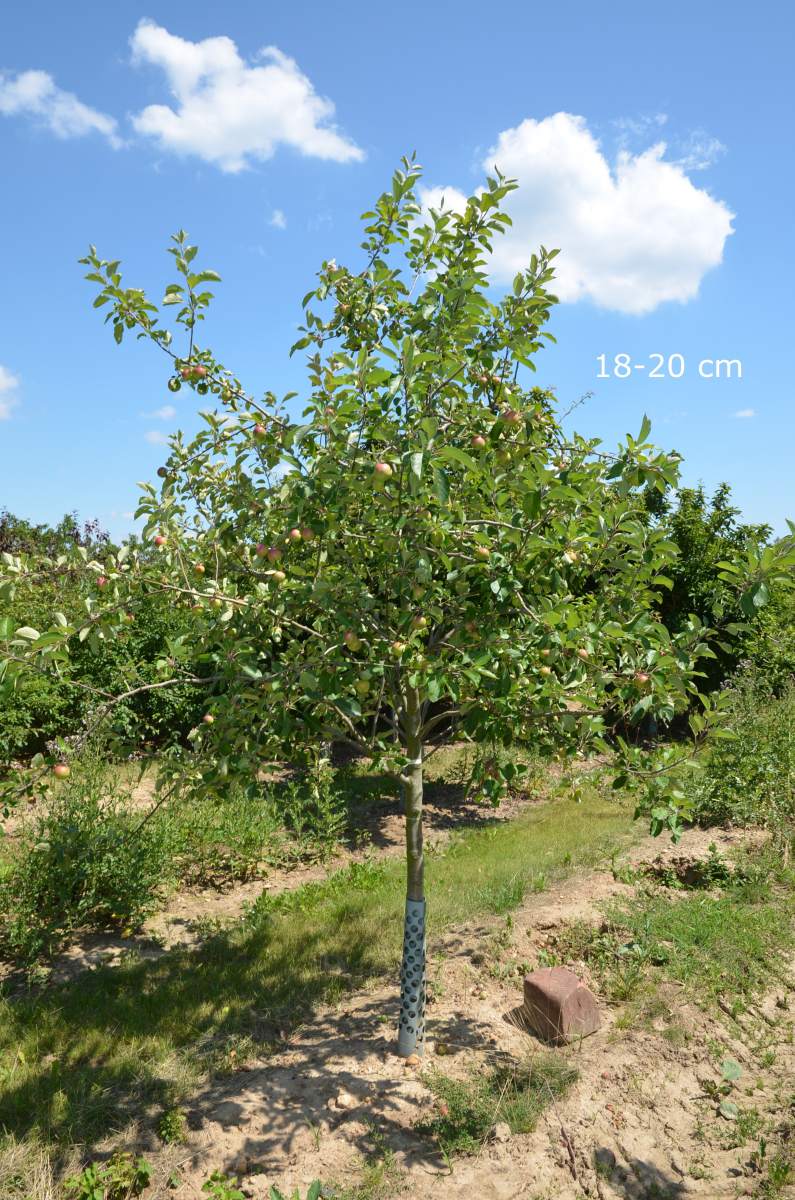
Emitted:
<point x="453" y="454"/>
<point x="730" y="1070"/>
<point x="441" y="484"/>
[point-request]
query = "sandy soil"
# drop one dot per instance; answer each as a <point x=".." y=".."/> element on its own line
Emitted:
<point x="636" y="1125"/>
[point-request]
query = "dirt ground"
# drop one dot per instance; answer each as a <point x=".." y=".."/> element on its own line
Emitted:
<point x="637" y="1124"/>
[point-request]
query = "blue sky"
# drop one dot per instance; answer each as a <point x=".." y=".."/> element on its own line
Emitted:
<point x="656" y="150"/>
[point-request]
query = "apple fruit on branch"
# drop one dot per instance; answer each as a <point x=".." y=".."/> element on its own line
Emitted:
<point x="398" y="560"/>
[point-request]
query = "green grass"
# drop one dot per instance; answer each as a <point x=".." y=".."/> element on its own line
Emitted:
<point x="78" y="1062"/>
<point x="727" y="944"/>
<point x="469" y="1109"/>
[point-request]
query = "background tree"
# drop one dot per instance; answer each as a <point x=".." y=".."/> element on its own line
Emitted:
<point x="424" y="548"/>
<point x="44" y="706"/>
<point x="707" y="532"/>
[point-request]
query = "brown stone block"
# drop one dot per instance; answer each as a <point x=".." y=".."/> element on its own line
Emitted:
<point x="558" y="1007"/>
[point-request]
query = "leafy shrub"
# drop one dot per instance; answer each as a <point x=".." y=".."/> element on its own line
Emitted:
<point x="38" y="710"/>
<point x="236" y="836"/>
<point x="769" y="646"/>
<point x="86" y="863"/>
<point x="313" y="808"/>
<point x="122" y="1178"/>
<point x="171" y="1126"/>
<point x="222" y="1187"/>
<point x="221" y="839"/>
<point x="750" y="779"/>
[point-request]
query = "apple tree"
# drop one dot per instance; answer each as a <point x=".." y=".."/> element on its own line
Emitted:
<point x="425" y="551"/>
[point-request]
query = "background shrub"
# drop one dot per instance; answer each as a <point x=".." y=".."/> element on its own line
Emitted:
<point x="769" y="645"/>
<point x="750" y="780"/>
<point x="85" y="863"/>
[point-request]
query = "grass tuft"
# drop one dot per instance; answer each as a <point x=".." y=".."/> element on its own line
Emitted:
<point x="468" y="1110"/>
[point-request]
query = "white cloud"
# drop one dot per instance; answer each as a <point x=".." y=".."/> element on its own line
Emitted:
<point x="35" y="94"/>
<point x="278" y="219"/>
<point x="156" y="437"/>
<point x="166" y="413"/>
<point x="744" y="413"/>
<point x="638" y="129"/>
<point x="632" y="234"/>
<point x="699" y="150"/>
<point x="229" y="112"/>
<point x="8" y="389"/>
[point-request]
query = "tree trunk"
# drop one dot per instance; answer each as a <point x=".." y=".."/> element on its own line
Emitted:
<point x="411" y="1031"/>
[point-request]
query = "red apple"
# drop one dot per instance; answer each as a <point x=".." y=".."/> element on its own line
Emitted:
<point x="419" y="622"/>
<point x="208" y="718"/>
<point x="583" y="654"/>
<point x="511" y="416"/>
<point x="162" y="472"/>
<point x="294" y="535"/>
<point x="199" y="568"/>
<point x="160" y="540"/>
<point x="199" y="371"/>
<point x="545" y="671"/>
<point x="382" y="471"/>
<point x="307" y="534"/>
<point x="482" y="552"/>
<point x="259" y="431"/>
<point x="273" y="553"/>
<point x="545" y="653"/>
<point x="642" y="678"/>
<point x="261" y="549"/>
<point x="278" y="577"/>
<point x="101" y="581"/>
<point x="397" y="648"/>
<point x="478" y="442"/>
<point x="61" y="771"/>
<point x="352" y="640"/>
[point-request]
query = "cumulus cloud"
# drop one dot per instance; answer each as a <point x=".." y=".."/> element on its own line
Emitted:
<point x="35" y="94"/>
<point x="278" y="219"/>
<point x="745" y="413"/>
<point x="156" y="437"/>
<point x="8" y="392"/>
<point x="230" y="112"/>
<point x="633" y="233"/>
